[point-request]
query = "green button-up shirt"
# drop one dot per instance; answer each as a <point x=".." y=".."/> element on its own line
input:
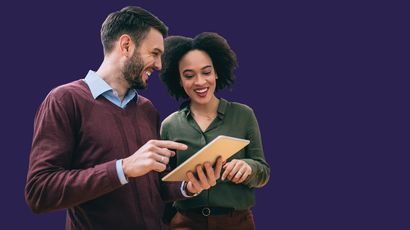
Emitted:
<point x="233" y="119"/>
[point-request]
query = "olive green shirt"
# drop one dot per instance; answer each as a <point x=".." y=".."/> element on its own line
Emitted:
<point x="233" y="119"/>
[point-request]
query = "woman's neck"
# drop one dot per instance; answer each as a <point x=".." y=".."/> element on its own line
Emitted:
<point x="206" y="110"/>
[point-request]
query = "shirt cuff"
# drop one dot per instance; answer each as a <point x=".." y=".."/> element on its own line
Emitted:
<point x="183" y="186"/>
<point x="120" y="172"/>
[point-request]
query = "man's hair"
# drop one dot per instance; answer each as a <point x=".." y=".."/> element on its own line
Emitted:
<point x="222" y="56"/>
<point x="131" y="20"/>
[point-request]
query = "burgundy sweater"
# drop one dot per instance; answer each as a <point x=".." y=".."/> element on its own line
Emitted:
<point x="76" y="141"/>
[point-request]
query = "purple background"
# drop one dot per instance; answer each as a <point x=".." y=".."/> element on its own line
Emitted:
<point x="328" y="82"/>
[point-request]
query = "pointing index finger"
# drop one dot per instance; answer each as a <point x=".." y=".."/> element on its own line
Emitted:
<point x="170" y="145"/>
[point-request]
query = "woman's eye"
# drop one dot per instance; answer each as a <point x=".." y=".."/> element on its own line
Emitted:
<point x="207" y="73"/>
<point x="189" y="76"/>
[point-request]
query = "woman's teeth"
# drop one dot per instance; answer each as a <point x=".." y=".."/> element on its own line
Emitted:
<point x="201" y="90"/>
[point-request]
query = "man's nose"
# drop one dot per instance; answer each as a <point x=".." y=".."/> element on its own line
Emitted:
<point x="158" y="64"/>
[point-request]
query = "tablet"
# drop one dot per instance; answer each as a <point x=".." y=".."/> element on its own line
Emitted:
<point x="223" y="146"/>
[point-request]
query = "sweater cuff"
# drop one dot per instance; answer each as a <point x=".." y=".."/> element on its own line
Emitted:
<point x="109" y="174"/>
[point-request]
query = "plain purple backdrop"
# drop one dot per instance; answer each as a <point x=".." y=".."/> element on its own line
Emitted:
<point x="328" y="81"/>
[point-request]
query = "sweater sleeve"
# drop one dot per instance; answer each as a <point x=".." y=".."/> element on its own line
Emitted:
<point x="255" y="156"/>
<point x="170" y="191"/>
<point x="51" y="182"/>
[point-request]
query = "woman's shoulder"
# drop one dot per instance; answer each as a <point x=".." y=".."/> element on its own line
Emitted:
<point x="177" y="115"/>
<point x="173" y="117"/>
<point x="239" y="107"/>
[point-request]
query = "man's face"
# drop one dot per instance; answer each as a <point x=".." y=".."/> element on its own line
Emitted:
<point x="145" y="59"/>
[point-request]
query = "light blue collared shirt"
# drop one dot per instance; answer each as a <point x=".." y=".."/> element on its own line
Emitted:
<point x="99" y="87"/>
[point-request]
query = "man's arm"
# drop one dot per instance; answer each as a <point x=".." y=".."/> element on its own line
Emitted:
<point x="51" y="182"/>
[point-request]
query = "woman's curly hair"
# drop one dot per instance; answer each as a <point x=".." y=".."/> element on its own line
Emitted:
<point x="222" y="56"/>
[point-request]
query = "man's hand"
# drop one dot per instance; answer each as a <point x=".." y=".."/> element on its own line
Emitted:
<point x="154" y="155"/>
<point x="236" y="171"/>
<point x="204" y="179"/>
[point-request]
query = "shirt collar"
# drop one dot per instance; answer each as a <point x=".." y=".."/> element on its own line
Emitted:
<point x="221" y="108"/>
<point x="98" y="86"/>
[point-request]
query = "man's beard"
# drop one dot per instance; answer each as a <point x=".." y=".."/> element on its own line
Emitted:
<point x="132" y="72"/>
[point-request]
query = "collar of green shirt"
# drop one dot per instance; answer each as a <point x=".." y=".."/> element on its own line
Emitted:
<point x="221" y="108"/>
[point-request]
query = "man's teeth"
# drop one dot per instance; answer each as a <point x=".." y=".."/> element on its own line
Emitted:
<point x="148" y="73"/>
<point x="201" y="90"/>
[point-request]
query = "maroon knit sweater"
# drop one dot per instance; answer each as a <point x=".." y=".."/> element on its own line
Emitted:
<point x="76" y="141"/>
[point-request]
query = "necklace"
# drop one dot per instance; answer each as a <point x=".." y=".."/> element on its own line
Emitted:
<point x="208" y="117"/>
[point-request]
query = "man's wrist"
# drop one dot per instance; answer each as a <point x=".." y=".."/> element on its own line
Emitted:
<point x="185" y="191"/>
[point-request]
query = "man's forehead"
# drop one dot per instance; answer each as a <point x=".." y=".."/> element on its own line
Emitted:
<point x="154" y="41"/>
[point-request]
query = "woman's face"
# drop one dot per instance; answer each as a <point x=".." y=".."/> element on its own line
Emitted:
<point x="197" y="76"/>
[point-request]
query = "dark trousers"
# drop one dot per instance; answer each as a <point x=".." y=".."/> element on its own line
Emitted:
<point x="236" y="220"/>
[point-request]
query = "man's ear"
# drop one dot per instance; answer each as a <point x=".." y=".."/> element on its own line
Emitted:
<point x="125" y="44"/>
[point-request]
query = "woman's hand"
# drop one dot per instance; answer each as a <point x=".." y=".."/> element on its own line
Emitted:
<point x="206" y="177"/>
<point x="236" y="171"/>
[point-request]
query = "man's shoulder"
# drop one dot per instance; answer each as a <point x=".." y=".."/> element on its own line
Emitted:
<point x="70" y="90"/>
<point x="70" y="98"/>
<point x="143" y="100"/>
<point x="145" y="103"/>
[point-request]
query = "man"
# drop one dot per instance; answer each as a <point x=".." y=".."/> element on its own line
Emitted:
<point x="94" y="150"/>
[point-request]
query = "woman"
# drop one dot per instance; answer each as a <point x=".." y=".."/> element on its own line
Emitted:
<point x="194" y="69"/>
